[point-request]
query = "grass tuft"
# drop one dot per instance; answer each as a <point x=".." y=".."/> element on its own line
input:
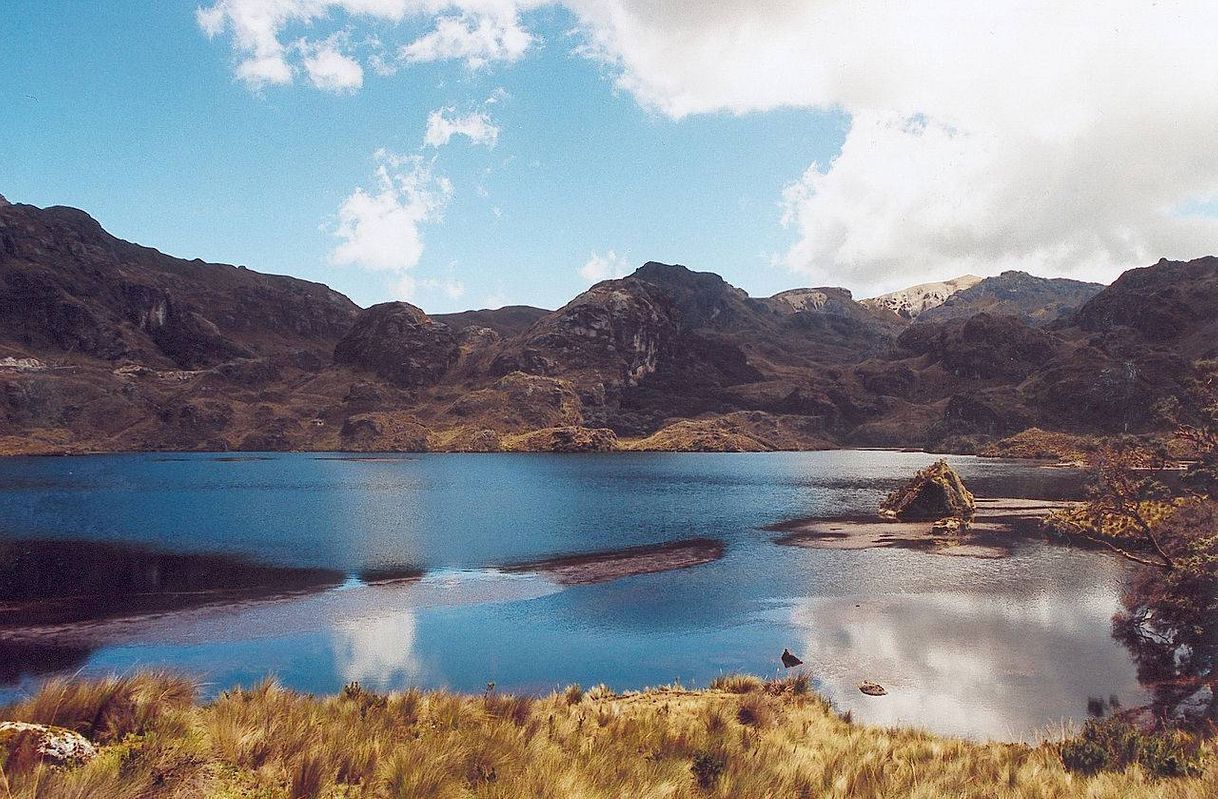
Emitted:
<point x="266" y="742"/>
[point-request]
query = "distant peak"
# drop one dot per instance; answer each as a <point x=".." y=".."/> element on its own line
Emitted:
<point x="674" y="274"/>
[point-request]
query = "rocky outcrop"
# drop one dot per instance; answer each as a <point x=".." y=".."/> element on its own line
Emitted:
<point x="1035" y="300"/>
<point x="400" y="343"/>
<point x="68" y="286"/>
<point x="982" y="347"/>
<point x="1173" y="303"/>
<point x="935" y="493"/>
<point x="23" y="744"/>
<point x="912" y="302"/>
<point x="564" y="439"/>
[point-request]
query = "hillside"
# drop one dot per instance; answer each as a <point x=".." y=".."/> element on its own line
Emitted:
<point x="910" y="303"/>
<point x="109" y="346"/>
<point x="1035" y="300"/>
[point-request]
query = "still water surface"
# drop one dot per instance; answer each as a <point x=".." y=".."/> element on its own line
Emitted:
<point x="1002" y="649"/>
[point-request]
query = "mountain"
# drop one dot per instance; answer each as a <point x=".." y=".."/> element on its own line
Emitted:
<point x="509" y="320"/>
<point x="109" y="346"/>
<point x="1036" y="300"/>
<point x="912" y="302"/>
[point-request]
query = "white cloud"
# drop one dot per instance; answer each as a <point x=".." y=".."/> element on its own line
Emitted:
<point x="380" y="229"/>
<point x="328" y="68"/>
<point x="1051" y="135"/>
<point x="477" y="39"/>
<point x="604" y="267"/>
<point x="1054" y="136"/>
<point x="477" y="32"/>
<point x="476" y="126"/>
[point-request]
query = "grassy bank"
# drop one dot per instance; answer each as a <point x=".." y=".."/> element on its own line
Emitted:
<point x="741" y="738"/>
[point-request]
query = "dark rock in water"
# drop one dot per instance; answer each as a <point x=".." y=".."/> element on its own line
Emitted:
<point x="872" y="688"/>
<point x="936" y="492"/>
<point x="789" y="660"/>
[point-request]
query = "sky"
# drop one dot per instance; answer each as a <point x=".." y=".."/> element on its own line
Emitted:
<point x="476" y="153"/>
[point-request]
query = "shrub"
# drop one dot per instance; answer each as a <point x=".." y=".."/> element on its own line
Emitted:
<point x="574" y="694"/>
<point x="707" y="767"/>
<point x="1114" y="744"/>
<point x="737" y="683"/>
<point x="755" y="711"/>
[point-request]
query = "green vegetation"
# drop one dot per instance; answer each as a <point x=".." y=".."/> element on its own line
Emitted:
<point x="744" y="738"/>
<point x="1167" y="523"/>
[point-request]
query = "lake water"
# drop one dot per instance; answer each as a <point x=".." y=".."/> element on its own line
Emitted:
<point x="1005" y="649"/>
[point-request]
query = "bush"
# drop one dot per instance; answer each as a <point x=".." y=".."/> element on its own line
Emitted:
<point x="737" y="683"/>
<point x="707" y="767"/>
<point x="756" y="710"/>
<point x="1114" y="745"/>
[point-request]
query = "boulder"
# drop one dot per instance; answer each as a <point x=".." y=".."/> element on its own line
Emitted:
<point x="24" y="744"/>
<point x="936" y="492"/>
<point x="872" y="688"/>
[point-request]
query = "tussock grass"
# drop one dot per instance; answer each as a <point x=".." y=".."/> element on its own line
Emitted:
<point x="775" y="739"/>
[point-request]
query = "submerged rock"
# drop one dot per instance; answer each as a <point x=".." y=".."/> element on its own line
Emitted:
<point x="23" y="741"/>
<point x="936" y="492"/>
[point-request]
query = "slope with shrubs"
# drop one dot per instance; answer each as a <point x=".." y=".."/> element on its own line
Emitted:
<point x="742" y="737"/>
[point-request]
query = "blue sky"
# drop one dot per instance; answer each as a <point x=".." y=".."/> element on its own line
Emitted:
<point x="138" y="120"/>
<point x="777" y="143"/>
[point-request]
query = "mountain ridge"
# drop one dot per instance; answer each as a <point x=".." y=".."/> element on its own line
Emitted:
<point x="109" y="346"/>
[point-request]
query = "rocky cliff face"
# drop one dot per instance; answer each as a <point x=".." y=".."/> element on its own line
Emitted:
<point x="1035" y="300"/>
<point x="910" y="303"/>
<point x="400" y="343"/>
<point x="105" y="345"/>
<point x="66" y="284"/>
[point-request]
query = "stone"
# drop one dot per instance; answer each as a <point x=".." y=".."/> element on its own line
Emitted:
<point x="54" y="745"/>
<point x="936" y="492"/>
<point x="872" y="688"/>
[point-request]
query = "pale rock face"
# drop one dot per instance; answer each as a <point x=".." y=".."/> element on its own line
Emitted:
<point x="909" y="303"/>
<point x="55" y="744"/>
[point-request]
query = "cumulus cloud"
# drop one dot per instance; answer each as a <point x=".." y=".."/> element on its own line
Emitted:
<point x="476" y="39"/>
<point x="381" y="228"/>
<point x="1046" y="135"/>
<point x="476" y="126"/>
<point x="477" y="32"/>
<point x="328" y="68"/>
<point x="1050" y="135"/>
<point x="604" y="267"/>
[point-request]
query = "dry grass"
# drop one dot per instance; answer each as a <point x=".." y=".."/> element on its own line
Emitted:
<point x="775" y="739"/>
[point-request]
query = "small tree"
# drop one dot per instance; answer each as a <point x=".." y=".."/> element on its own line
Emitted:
<point x="1169" y="619"/>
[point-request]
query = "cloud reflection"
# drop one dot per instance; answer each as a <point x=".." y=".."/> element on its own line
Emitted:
<point x="974" y="665"/>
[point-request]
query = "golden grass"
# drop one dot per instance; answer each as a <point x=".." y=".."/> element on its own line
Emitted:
<point x="744" y="738"/>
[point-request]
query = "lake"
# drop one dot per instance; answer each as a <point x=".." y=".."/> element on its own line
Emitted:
<point x="986" y="648"/>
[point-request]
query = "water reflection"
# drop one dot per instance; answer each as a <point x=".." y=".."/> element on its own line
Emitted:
<point x="416" y="596"/>
<point x="994" y="667"/>
<point x="379" y="652"/>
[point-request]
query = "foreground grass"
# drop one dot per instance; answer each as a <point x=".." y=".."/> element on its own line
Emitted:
<point x="741" y="738"/>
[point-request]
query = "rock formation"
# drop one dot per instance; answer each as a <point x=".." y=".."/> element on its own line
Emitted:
<point x="935" y="493"/>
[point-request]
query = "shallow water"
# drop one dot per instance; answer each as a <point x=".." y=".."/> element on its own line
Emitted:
<point x="985" y="648"/>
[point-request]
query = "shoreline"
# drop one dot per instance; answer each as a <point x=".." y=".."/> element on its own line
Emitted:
<point x="998" y="524"/>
